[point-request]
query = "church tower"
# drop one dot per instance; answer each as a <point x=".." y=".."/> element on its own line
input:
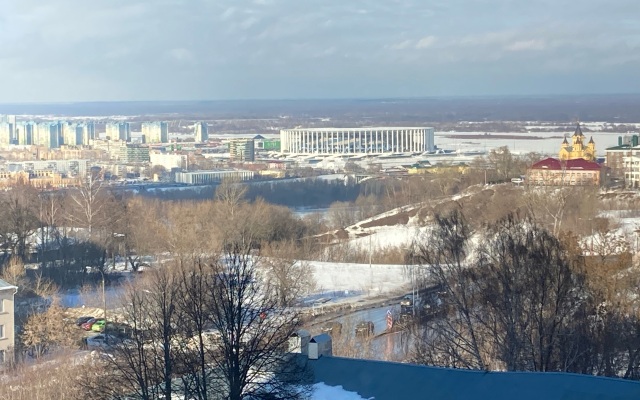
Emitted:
<point x="577" y="149"/>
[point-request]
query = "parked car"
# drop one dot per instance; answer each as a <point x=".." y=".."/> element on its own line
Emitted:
<point x="104" y="341"/>
<point x="82" y="320"/>
<point x="87" y="325"/>
<point x="98" y="325"/>
<point x="364" y="329"/>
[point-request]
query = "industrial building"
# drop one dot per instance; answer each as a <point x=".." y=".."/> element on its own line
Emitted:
<point x="206" y="177"/>
<point x="357" y="140"/>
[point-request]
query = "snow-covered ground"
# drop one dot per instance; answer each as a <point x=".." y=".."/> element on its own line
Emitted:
<point x="335" y="280"/>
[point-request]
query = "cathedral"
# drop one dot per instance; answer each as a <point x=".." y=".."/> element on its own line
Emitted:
<point x="577" y="149"/>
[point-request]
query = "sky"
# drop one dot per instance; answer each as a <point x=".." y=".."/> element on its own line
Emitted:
<point x="119" y="50"/>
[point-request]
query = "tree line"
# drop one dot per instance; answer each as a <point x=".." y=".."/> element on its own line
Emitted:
<point x="517" y="297"/>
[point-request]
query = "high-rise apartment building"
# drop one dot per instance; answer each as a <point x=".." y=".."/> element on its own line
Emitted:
<point x="118" y="131"/>
<point x="46" y="135"/>
<point x="155" y="132"/>
<point x="6" y="133"/>
<point x="24" y="133"/>
<point x="201" y="131"/>
<point x="71" y="134"/>
<point x="88" y="133"/>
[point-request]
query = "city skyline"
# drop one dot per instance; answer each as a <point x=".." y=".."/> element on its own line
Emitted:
<point x="264" y="49"/>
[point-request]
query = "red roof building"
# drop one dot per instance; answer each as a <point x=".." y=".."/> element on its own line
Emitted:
<point x="554" y="172"/>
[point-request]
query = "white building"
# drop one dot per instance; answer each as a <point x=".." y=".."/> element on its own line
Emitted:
<point x="357" y="140"/>
<point x="206" y="177"/>
<point x="168" y="160"/>
<point x="67" y="167"/>
<point x="6" y="133"/>
<point x="155" y="132"/>
<point x="201" y="131"/>
<point x="118" y="131"/>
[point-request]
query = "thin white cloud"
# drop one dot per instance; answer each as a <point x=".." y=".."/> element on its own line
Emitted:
<point x="426" y="42"/>
<point x="526" y="45"/>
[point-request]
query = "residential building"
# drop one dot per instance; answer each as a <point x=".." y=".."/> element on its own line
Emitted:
<point x="7" y="321"/>
<point x="133" y="154"/>
<point x="65" y="167"/>
<point x="577" y="149"/>
<point x="201" y="131"/>
<point x="155" y="132"/>
<point x="207" y="177"/>
<point x="118" y="131"/>
<point x="6" y="133"/>
<point x="168" y="160"/>
<point x="575" y="172"/>
<point x="88" y="133"/>
<point x="47" y="135"/>
<point x="615" y="156"/>
<point x="357" y="140"/>
<point x="71" y="134"/>
<point x="241" y="150"/>
<point x="24" y="133"/>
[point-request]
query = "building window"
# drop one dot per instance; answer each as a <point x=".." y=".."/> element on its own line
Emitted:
<point x="1" y="331"/>
<point x="1" y="306"/>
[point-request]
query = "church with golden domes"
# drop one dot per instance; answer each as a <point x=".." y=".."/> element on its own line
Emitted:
<point x="577" y="149"/>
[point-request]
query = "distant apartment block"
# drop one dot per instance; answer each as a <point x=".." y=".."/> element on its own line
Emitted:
<point x="88" y="132"/>
<point x="47" y="135"/>
<point x="6" y="133"/>
<point x="72" y="134"/>
<point x="155" y="132"/>
<point x="24" y="133"/>
<point x="118" y="131"/>
<point x="66" y="167"/>
<point x="133" y="154"/>
<point x="7" y="321"/>
<point x="357" y="140"/>
<point x="201" y="131"/>
<point x="241" y="150"/>
<point x="168" y="160"/>
<point x="207" y="177"/>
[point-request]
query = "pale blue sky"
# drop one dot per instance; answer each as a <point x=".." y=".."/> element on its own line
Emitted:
<point x="75" y="50"/>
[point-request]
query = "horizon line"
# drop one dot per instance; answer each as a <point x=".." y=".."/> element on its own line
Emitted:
<point x="373" y="98"/>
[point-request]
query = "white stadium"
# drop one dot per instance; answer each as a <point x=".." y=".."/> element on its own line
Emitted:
<point x="378" y="140"/>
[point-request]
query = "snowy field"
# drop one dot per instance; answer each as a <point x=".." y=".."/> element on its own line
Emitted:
<point x="346" y="279"/>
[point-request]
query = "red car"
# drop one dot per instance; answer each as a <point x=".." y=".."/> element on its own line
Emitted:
<point x="87" y="325"/>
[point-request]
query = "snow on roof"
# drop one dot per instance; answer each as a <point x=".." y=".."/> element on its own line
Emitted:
<point x="5" y="285"/>
<point x="321" y="391"/>
<point x="387" y="380"/>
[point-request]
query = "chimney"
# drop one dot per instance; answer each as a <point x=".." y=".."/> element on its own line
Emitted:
<point x="320" y="346"/>
<point x="299" y="342"/>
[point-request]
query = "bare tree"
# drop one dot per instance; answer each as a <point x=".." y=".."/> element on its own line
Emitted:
<point x="254" y="333"/>
<point x="456" y="340"/>
<point x="286" y="274"/>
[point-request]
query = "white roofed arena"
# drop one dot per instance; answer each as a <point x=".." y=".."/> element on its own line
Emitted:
<point x="356" y="140"/>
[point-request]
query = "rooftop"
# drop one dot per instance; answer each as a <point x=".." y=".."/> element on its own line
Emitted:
<point x="555" y="164"/>
<point x="386" y="380"/>
<point x="5" y="285"/>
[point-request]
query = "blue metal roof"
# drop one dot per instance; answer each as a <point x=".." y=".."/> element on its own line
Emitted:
<point x="387" y="380"/>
